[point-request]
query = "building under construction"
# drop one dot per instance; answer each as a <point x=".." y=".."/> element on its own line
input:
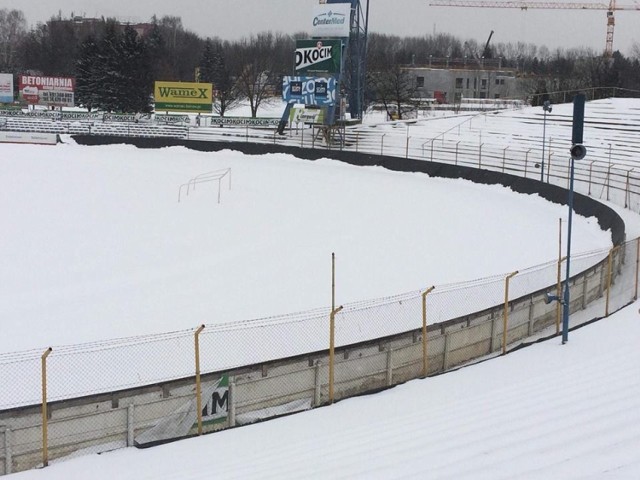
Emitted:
<point x="449" y="81"/>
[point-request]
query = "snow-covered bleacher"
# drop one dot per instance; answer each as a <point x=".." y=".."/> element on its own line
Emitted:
<point x="25" y="123"/>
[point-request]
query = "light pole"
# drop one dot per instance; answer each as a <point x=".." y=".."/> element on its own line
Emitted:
<point x="578" y="152"/>
<point x="546" y="106"/>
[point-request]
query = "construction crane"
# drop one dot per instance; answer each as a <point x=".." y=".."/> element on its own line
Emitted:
<point x="486" y="51"/>
<point x="525" y="5"/>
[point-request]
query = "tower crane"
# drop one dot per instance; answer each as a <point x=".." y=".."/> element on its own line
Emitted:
<point x="525" y="5"/>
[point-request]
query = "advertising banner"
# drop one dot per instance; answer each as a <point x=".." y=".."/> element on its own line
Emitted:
<point x="50" y="91"/>
<point x="184" y="420"/>
<point x="309" y="90"/>
<point x="331" y="20"/>
<point x="6" y="87"/>
<point x="183" y="96"/>
<point x="318" y="56"/>
<point x="246" y="121"/>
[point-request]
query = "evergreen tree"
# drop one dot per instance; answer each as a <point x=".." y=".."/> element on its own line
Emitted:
<point x="108" y="70"/>
<point x="134" y="80"/>
<point x="87" y="89"/>
<point x="227" y="95"/>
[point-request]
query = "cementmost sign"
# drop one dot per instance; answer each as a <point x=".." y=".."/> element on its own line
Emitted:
<point x="183" y="96"/>
<point x="52" y="91"/>
<point x="318" y="56"/>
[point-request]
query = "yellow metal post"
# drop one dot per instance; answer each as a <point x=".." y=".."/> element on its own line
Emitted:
<point x="559" y="284"/>
<point x="45" y="419"/>
<point x="332" y="332"/>
<point x="609" y="275"/>
<point x="198" y="384"/>
<point x="333" y="281"/>
<point x="559" y="294"/>
<point x="506" y="311"/>
<point x="425" y="364"/>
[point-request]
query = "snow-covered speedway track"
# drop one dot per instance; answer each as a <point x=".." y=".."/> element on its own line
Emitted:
<point x="543" y="412"/>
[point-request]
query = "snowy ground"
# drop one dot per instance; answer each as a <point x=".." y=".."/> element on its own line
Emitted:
<point x="547" y="411"/>
<point x="96" y="245"/>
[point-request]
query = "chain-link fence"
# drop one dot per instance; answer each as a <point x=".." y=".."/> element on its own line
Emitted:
<point x="146" y="390"/>
<point x="150" y="389"/>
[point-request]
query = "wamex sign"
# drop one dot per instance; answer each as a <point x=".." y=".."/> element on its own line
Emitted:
<point x="183" y="96"/>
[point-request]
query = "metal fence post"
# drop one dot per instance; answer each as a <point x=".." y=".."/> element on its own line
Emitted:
<point x="389" y="367"/>
<point x="457" y="143"/>
<point x="8" y="460"/>
<point x="447" y="347"/>
<point x="480" y="156"/>
<point x="130" y="425"/>
<point x="504" y="155"/>
<point x="382" y="144"/>
<point x="609" y="278"/>
<point x="506" y="311"/>
<point x="198" y="384"/>
<point x="332" y="333"/>
<point x="317" y="385"/>
<point x="45" y="416"/>
<point x="627" y="194"/>
<point x="424" y="331"/>
<point x="559" y="277"/>
<point x="232" y="404"/>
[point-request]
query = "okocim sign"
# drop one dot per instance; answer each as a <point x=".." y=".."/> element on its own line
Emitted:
<point x="183" y="96"/>
<point x="318" y="56"/>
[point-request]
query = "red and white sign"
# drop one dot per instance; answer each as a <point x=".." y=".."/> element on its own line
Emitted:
<point x="52" y="91"/>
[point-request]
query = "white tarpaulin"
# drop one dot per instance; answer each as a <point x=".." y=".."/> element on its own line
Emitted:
<point x="215" y="398"/>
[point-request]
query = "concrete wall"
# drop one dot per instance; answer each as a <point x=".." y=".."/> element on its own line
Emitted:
<point x="108" y="421"/>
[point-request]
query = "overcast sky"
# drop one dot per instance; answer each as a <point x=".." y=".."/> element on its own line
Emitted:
<point x="233" y="19"/>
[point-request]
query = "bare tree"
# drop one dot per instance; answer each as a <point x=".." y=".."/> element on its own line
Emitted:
<point x="257" y="77"/>
<point x="13" y="28"/>
<point x="394" y="88"/>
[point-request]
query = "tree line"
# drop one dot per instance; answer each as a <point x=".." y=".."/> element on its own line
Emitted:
<point x="115" y="65"/>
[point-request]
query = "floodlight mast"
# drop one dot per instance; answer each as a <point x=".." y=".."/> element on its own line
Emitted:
<point x="355" y="71"/>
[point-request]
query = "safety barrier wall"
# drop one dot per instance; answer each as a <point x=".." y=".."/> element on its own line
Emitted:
<point x="103" y="396"/>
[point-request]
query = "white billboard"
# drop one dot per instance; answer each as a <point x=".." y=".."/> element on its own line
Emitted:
<point x="331" y="20"/>
<point x="6" y="87"/>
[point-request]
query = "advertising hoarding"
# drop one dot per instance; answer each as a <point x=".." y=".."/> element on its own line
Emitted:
<point x="309" y="90"/>
<point x="318" y="56"/>
<point x="246" y="121"/>
<point x="183" y="96"/>
<point x="331" y="20"/>
<point x="50" y="91"/>
<point x="6" y="87"/>
<point x="183" y="420"/>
